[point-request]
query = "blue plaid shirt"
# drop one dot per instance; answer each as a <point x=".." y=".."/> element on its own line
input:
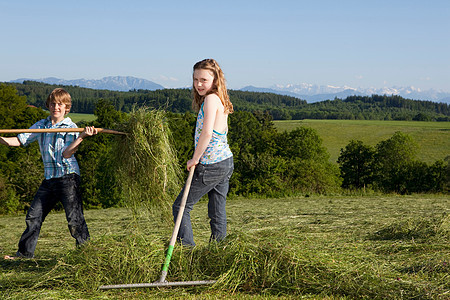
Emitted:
<point x="52" y="145"/>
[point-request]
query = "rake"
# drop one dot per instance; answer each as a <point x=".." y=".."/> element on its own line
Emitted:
<point x="162" y="282"/>
<point x="45" y="130"/>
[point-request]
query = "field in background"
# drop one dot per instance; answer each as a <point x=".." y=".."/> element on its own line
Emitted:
<point x="433" y="138"/>
<point x="368" y="246"/>
<point x="77" y="117"/>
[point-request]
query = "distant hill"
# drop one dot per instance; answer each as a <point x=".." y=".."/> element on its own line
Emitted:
<point x="112" y="83"/>
<point x="305" y="91"/>
<point x="280" y="107"/>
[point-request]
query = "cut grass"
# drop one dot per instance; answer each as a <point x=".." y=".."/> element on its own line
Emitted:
<point x="433" y="138"/>
<point x="313" y="247"/>
<point x="146" y="163"/>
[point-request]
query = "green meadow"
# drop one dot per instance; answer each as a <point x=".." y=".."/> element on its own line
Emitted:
<point x="433" y="138"/>
<point x="77" y="117"/>
<point x="346" y="247"/>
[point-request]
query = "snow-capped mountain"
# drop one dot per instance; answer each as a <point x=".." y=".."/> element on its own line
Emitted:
<point x="113" y="83"/>
<point x="314" y="92"/>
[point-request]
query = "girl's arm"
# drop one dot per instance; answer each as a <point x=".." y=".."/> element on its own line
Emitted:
<point x="73" y="147"/>
<point x="10" y="141"/>
<point x="210" y="107"/>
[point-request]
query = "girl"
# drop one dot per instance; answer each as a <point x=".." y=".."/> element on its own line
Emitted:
<point x="212" y="157"/>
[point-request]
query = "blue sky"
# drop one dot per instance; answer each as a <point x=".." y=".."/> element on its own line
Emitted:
<point x="259" y="43"/>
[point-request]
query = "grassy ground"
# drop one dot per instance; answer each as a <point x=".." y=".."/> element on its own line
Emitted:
<point x="433" y="138"/>
<point x="385" y="247"/>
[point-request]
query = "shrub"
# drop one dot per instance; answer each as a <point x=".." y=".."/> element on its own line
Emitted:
<point x="9" y="202"/>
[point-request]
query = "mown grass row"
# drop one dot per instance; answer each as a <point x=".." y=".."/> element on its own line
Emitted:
<point x="322" y="248"/>
<point x="276" y="266"/>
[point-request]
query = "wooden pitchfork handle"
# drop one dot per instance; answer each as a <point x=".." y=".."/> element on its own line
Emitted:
<point x="45" y="130"/>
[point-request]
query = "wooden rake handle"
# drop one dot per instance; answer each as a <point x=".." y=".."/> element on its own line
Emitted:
<point x="45" y="130"/>
<point x="173" y="239"/>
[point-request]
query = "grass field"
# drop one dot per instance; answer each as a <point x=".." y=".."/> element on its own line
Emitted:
<point x="433" y="138"/>
<point x="371" y="247"/>
<point x="76" y="117"/>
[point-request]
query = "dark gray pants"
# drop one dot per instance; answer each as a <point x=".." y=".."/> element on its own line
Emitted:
<point x="212" y="179"/>
<point x="65" y="190"/>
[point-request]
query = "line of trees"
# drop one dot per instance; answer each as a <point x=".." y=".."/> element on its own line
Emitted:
<point x="375" y="107"/>
<point x="392" y="166"/>
<point x="268" y="163"/>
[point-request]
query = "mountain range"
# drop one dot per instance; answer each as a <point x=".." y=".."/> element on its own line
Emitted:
<point x="305" y="91"/>
<point x="113" y="83"/>
<point x="314" y="93"/>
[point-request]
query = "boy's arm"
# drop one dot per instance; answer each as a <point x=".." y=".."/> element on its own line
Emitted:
<point x="72" y="148"/>
<point x="10" y="141"/>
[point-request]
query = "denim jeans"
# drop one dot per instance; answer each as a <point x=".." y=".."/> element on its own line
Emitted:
<point x="65" y="190"/>
<point x="211" y="179"/>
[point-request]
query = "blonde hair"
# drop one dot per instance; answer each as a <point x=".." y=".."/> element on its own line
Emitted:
<point x="59" y="95"/>
<point x="219" y="86"/>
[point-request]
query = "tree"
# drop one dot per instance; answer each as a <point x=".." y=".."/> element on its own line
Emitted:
<point x="107" y="115"/>
<point x="356" y="163"/>
<point x="422" y="117"/>
<point x="182" y="127"/>
<point x="21" y="167"/>
<point x="437" y="177"/>
<point x="422" y="178"/>
<point x="447" y="175"/>
<point x="9" y="202"/>
<point x="303" y="143"/>
<point x="251" y="142"/>
<point x="11" y="106"/>
<point x="392" y="159"/>
<point x="396" y="151"/>
<point x="98" y="180"/>
<point x="307" y="165"/>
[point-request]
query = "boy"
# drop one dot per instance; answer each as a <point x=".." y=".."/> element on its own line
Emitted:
<point x="62" y="174"/>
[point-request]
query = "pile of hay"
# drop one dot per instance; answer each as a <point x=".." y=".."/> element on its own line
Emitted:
<point x="146" y="162"/>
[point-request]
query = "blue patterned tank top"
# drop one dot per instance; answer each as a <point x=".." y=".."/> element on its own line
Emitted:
<point x="218" y="148"/>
